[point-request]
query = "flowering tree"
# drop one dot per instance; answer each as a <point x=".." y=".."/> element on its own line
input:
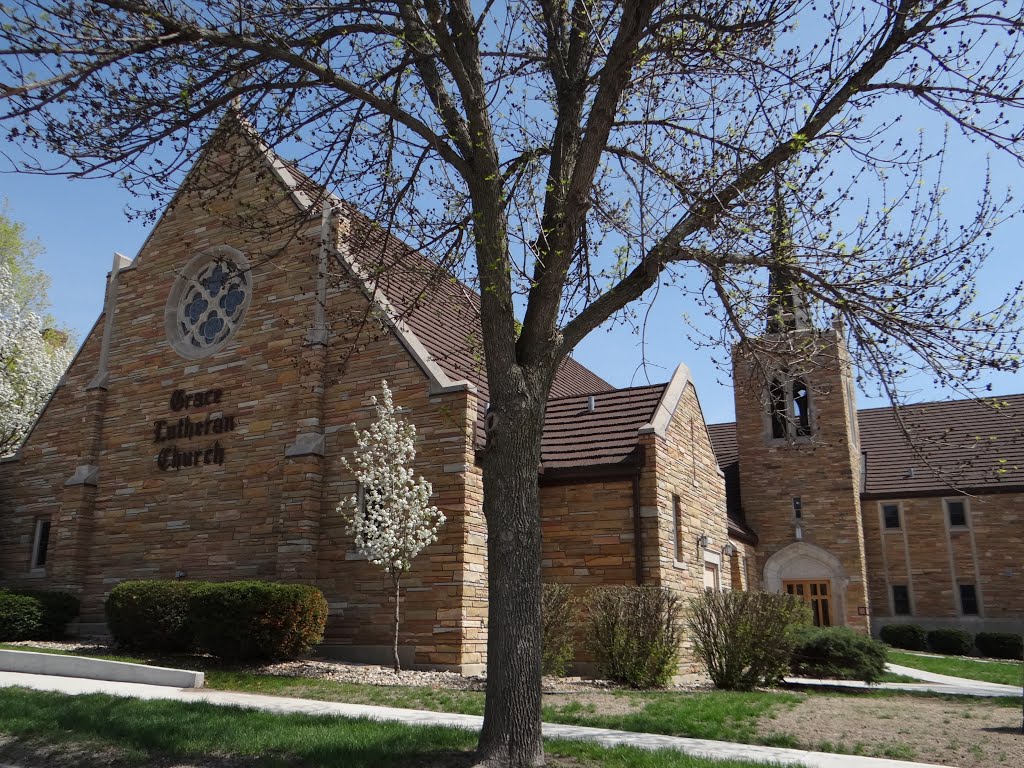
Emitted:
<point x="31" y="364"/>
<point x="391" y="518"/>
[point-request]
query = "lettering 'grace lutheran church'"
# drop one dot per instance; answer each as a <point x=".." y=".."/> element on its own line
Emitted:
<point x="200" y="429"/>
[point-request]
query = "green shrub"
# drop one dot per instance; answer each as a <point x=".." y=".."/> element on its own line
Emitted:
<point x="58" y="609"/>
<point x="953" y="642"/>
<point x="1000" y="645"/>
<point x="152" y="615"/>
<point x="745" y="638"/>
<point x="21" y="616"/>
<point x="244" y="620"/>
<point x="837" y="653"/>
<point x="911" y="637"/>
<point x="634" y="634"/>
<point x="560" y="615"/>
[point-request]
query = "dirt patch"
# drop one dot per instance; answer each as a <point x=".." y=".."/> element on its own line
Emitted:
<point x="594" y="703"/>
<point x="970" y="733"/>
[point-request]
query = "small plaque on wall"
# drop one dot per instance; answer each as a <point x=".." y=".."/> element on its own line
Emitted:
<point x="862" y="610"/>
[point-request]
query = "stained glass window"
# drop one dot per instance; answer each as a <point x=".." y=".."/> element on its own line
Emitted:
<point x="213" y="294"/>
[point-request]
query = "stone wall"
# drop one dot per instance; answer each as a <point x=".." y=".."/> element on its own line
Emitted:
<point x="269" y="510"/>
<point x="822" y="470"/>
<point x="683" y="466"/>
<point x="932" y="560"/>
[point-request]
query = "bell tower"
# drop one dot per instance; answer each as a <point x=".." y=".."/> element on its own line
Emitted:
<point x="799" y="452"/>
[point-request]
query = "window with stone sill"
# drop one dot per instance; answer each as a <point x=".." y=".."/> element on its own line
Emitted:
<point x="891" y="517"/>
<point x="900" y="600"/>
<point x="361" y="497"/>
<point x="40" y="544"/>
<point x="208" y="302"/>
<point x="677" y="527"/>
<point x="968" y="600"/>
<point x="956" y="512"/>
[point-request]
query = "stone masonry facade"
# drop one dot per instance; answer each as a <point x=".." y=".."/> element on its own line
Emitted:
<point x="150" y="462"/>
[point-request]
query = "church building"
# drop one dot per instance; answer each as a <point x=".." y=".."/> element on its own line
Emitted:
<point x="200" y="430"/>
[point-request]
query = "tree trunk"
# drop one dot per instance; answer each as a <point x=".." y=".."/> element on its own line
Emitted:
<point x="398" y="593"/>
<point x="511" y="735"/>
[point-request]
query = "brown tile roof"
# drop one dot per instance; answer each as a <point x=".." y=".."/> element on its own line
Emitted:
<point x="576" y="437"/>
<point x="956" y="445"/>
<point x="723" y="440"/>
<point x="959" y="444"/>
<point x="442" y="311"/>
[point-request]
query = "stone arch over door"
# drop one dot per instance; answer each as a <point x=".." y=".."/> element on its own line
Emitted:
<point x="806" y="561"/>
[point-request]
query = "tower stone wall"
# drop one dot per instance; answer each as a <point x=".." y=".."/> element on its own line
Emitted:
<point x="801" y="493"/>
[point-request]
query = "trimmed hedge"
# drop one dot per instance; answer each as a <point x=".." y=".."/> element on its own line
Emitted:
<point x="257" y="619"/>
<point x="745" y="639"/>
<point x="952" y="642"/>
<point x="58" y="608"/>
<point x="559" y="616"/>
<point x="910" y="637"/>
<point x="152" y="615"/>
<point x="837" y="653"/>
<point x="634" y="634"/>
<point x="21" y="616"/>
<point x="232" y="620"/>
<point x="1000" y="645"/>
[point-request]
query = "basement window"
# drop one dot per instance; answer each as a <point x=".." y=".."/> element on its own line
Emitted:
<point x="40" y="544"/>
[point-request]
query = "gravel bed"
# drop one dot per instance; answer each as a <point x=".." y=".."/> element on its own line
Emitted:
<point x="347" y="672"/>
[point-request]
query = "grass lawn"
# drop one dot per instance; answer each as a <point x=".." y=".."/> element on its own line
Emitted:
<point x="109" y="731"/>
<point x="719" y="715"/>
<point x="892" y="677"/>
<point x="1005" y="672"/>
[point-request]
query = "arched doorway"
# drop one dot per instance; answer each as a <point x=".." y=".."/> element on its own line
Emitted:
<point x="813" y="574"/>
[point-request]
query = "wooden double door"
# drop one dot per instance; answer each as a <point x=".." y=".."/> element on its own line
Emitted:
<point x="817" y="592"/>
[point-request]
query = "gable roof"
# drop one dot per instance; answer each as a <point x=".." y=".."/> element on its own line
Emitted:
<point x="428" y="307"/>
<point x="575" y="436"/>
<point x="961" y="445"/>
<point x="958" y="446"/>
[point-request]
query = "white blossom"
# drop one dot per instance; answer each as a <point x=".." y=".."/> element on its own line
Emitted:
<point x="391" y="519"/>
<point x="30" y="366"/>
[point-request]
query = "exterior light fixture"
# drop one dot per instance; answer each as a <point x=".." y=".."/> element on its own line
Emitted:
<point x="703" y="540"/>
<point x="729" y="550"/>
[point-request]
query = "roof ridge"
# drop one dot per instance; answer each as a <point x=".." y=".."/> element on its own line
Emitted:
<point x="612" y="391"/>
<point x="961" y="401"/>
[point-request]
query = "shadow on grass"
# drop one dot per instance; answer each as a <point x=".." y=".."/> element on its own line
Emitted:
<point x="152" y="732"/>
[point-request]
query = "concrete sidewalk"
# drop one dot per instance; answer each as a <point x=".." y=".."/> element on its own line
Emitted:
<point x="702" y="747"/>
<point x="933" y="683"/>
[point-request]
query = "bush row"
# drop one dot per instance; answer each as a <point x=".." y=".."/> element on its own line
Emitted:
<point x="33" y="614"/>
<point x="632" y="632"/>
<point x="238" y="620"/>
<point x="744" y="639"/>
<point x="956" y="642"/>
<point x="749" y="639"/>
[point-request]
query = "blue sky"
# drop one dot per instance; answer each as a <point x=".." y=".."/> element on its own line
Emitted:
<point x="81" y="223"/>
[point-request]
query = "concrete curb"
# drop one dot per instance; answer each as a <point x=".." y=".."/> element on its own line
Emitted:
<point x="29" y="662"/>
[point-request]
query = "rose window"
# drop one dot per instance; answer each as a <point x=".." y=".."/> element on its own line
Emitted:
<point x="208" y="302"/>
